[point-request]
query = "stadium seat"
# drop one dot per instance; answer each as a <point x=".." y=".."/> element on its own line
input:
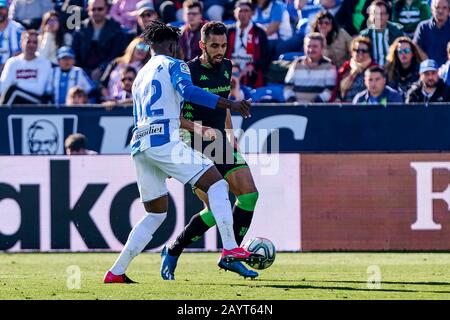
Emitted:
<point x="270" y="93"/>
<point x="290" y="56"/>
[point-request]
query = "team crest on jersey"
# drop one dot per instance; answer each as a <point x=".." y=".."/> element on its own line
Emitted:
<point x="184" y="68"/>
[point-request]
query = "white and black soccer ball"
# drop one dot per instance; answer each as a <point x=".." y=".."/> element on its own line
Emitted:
<point x="264" y="247"/>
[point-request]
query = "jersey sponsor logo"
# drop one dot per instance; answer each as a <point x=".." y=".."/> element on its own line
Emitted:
<point x="203" y="78"/>
<point x="184" y="68"/>
<point x="26" y="74"/>
<point x="150" y="130"/>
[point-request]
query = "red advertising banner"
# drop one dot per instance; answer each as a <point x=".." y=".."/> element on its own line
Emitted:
<point x="375" y="201"/>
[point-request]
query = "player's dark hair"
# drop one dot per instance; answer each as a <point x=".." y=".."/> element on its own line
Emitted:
<point x="158" y="32"/>
<point x="214" y="27"/>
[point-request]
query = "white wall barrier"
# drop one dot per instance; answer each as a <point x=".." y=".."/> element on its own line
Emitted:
<point x="88" y="203"/>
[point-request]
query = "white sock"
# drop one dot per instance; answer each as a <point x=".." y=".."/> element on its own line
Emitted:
<point x="138" y="239"/>
<point x="221" y="208"/>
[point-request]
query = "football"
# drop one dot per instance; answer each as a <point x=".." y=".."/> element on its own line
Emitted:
<point x="264" y="247"/>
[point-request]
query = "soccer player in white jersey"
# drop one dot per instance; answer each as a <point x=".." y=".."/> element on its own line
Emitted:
<point x="159" y="91"/>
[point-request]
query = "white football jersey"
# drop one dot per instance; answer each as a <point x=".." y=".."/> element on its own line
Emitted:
<point x="157" y="103"/>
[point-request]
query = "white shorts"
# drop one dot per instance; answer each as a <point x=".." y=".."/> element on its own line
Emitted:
<point x="174" y="159"/>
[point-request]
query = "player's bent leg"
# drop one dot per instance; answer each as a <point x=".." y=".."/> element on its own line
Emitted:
<point x="243" y="187"/>
<point x="140" y="236"/>
<point x="217" y="190"/>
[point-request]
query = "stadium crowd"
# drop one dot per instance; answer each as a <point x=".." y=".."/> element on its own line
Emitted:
<point x="74" y="52"/>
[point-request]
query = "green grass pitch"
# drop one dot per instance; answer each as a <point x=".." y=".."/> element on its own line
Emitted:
<point x="293" y="276"/>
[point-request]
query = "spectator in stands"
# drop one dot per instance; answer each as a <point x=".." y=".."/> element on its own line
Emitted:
<point x="409" y="13"/>
<point x="381" y="32"/>
<point x="136" y="55"/>
<point x="310" y="12"/>
<point x="29" y="12"/>
<point x="127" y="76"/>
<point x="52" y="36"/>
<point x="377" y="92"/>
<point x="76" y="97"/>
<point x="26" y="76"/>
<point x="402" y="65"/>
<point x="352" y="15"/>
<point x="273" y="18"/>
<point x="10" y="45"/>
<point x="190" y="32"/>
<point x="312" y="77"/>
<point x="239" y="91"/>
<point x="444" y="70"/>
<point x="430" y="88"/>
<point x="350" y="79"/>
<point x="123" y="12"/>
<point x="247" y="46"/>
<point x="98" y="41"/>
<point x="170" y="10"/>
<point x="338" y="40"/>
<point x="144" y="14"/>
<point x="66" y="76"/>
<point x="75" y="144"/>
<point x="433" y="35"/>
<point x="306" y="11"/>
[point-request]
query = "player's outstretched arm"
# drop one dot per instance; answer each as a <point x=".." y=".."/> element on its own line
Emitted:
<point x="243" y="107"/>
<point x="181" y="81"/>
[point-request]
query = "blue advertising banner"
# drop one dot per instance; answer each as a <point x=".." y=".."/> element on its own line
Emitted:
<point x="317" y="128"/>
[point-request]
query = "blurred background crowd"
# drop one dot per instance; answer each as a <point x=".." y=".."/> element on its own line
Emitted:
<point x="75" y="52"/>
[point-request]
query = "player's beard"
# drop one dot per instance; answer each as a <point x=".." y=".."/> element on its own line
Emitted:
<point x="211" y="60"/>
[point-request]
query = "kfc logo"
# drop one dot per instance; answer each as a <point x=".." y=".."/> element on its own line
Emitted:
<point x="40" y="134"/>
<point x="43" y="138"/>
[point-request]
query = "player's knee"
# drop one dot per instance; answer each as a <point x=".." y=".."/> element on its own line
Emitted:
<point x="247" y="201"/>
<point x="220" y="186"/>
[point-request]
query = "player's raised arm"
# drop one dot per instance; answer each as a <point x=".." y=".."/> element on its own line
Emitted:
<point x="181" y="80"/>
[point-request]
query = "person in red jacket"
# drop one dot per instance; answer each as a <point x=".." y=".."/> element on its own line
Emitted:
<point x="247" y="45"/>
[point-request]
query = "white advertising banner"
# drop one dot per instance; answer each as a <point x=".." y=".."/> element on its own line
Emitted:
<point x="89" y="203"/>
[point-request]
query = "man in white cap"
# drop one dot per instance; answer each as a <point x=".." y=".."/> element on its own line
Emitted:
<point x="429" y="88"/>
<point x="10" y="32"/>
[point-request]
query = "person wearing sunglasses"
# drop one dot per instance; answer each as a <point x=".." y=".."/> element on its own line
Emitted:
<point x="350" y="79"/>
<point x="338" y="40"/>
<point x="136" y="55"/>
<point x="99" y="40"/>
<point x="402" y="66"/>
